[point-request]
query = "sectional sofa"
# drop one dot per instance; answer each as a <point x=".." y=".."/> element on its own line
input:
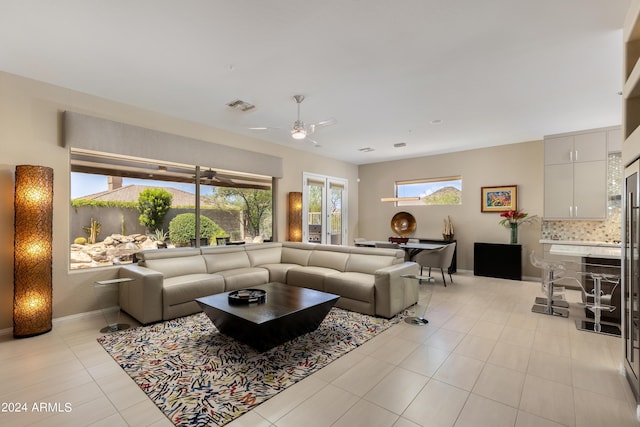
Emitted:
<point x="167" y="281"/>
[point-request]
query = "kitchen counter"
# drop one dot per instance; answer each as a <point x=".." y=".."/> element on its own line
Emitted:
<point x="586" y="250"/>
<point x="580" y="243"/>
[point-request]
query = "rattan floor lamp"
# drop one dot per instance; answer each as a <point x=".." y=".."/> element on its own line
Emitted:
<point x="295" y="216"/>
<point x="32" y="274"/>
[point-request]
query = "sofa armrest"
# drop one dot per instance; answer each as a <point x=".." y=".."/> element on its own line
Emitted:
<point x="393" y="292"/>
<point x="142" y="297"/>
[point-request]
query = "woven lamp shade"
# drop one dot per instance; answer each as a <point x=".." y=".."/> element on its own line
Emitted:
<point x="295" y="216"/>
<point x="32" y="274"/>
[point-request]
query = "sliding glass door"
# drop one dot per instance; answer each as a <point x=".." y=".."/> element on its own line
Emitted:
<point x="324" y="203"/>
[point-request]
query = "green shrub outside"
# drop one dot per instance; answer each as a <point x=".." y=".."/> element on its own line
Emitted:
<point x="182" y="229"/>
<point x="153" y="204"/>
<point x="76" y="203"/>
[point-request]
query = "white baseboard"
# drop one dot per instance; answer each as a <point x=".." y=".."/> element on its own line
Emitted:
<point x="9" y="331"/>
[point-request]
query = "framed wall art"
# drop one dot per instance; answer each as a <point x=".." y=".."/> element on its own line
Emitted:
<point x="499" y="199"/>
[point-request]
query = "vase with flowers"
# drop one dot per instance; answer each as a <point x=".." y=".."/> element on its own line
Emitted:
<point x="513" y="219"/>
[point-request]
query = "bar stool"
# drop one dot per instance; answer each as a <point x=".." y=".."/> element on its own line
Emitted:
<point x="553" y="304"/>
<point x="600" y="303"/>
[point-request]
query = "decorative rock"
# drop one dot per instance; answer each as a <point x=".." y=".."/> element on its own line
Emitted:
<point x="77" y="257"/>
<point x="114" y="249"/>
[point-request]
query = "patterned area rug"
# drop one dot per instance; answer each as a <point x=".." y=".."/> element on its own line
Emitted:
<point x="200" y="377"/>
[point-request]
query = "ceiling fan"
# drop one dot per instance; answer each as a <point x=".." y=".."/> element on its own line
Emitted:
<point x="209" y="177"/>
<point x="299" y="130"/>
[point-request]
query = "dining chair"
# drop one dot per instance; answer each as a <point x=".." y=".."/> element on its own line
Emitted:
<point x="438" y="258"/>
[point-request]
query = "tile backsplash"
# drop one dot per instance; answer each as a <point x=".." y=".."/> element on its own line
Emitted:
<point x="608" y="230"/>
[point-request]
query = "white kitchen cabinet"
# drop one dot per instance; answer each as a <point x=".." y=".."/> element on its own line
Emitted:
<point x="584" y="147"/>
<point x="575" y="175"/>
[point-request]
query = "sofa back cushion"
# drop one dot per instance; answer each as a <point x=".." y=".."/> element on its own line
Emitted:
<point x="361" y="263"/>
<point x="266" y="253"/>
<point x="398" y="255"/>
<point x="173" y="262"/>
<point x="225" y="258"/>
<point x="329" y="259"/>
<point x="292" y="255"/>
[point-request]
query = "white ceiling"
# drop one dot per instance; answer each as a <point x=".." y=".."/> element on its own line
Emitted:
<point x="493" y="71"/>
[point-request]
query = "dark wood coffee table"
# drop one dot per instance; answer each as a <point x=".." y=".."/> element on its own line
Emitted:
<point x="288" y="312"/>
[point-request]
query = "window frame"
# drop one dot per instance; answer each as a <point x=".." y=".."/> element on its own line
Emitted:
<point x="411" y="198"/>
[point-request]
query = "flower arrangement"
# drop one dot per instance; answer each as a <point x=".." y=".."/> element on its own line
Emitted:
<point x="512" y="219"/>
<point x="515" y="217"/>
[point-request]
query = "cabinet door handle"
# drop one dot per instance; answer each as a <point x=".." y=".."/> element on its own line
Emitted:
<point x="570" y="211"/>
<point x="576" y="155"/>
<point x="571" y="155"/>
<point x="576" y="210"/>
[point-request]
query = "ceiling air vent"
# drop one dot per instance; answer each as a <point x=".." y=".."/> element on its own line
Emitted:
<point x="400" y="144"/>
<point x="241" y="105"/>
<point x="366" y="149"/>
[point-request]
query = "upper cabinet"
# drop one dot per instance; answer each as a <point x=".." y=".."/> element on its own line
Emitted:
<point x="575" y="173"/>
<point x="631" y="89"/>
<point x="586" y="147"/>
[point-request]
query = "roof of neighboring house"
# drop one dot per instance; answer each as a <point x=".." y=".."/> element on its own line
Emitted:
<point x="130" y="193"/>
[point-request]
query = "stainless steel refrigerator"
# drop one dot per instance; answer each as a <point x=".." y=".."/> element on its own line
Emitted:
<point x="630" y="282"/>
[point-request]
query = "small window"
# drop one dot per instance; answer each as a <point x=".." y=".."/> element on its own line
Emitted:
<point x="432" y="191"/>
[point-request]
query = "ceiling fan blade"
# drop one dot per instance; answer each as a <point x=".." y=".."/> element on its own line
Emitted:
<point x="263" y="128"/>
<point x="329" y="122"/>
<point x="324" y="123"/>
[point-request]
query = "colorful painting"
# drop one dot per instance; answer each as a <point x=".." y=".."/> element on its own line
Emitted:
<point x="499" y="199"/>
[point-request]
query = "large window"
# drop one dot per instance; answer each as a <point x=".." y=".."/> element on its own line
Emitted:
<point x="432" y="191"/>
<point x="121" y="205"/>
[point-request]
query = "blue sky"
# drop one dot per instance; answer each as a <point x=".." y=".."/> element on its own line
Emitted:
<point x="83" y="184"/>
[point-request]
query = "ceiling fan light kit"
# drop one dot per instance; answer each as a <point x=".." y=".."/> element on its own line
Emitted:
<point x="298" y="131"/>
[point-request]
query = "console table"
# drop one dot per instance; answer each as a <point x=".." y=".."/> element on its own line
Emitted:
<point x="497" y="260"/>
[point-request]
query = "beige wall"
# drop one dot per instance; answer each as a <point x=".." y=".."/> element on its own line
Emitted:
<point x="519" y="164"/>
<point x="30" y="133"/>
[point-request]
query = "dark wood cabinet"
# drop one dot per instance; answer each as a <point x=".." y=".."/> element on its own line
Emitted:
<point x="497" y="260"/>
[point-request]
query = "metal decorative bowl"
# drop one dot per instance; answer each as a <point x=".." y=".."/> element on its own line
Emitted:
<point x="403" y="224"/>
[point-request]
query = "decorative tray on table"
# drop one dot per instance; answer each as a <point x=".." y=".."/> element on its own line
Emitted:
<point x="247" y="296"/>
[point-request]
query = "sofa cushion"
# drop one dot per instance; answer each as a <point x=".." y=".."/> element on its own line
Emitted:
<point x="176" y="267"/>
<point x="242" y="278"/>
<point x="181" y="289"/>
<point x="223" y="261"/>
<point x="328" y="259"/>
<point x="368" y="264"/>
<point x="298" y="256"/>
<point x="398" y="255"/>
<point x="267" y="253"/>
<point x="278" y="272"/>
<point x="309" y="277"/>
<point x="352" y="285"/>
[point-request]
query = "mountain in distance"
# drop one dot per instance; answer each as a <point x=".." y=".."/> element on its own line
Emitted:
<point x="444" y="196"/>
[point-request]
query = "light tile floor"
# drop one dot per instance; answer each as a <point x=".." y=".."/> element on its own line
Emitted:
<point x="483" y="360"/>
